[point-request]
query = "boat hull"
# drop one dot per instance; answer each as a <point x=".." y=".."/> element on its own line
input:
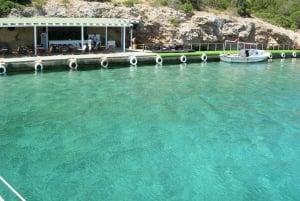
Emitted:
<point x="241" y="59"/>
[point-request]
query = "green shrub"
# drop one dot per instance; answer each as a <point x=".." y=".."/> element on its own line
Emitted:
<point x="38" y="4"/>
<point x="217" y="4"/>
<point x="286" y="22"/>
<point x="65" y="2"/>
<point x="187" y="8"/>
<point x="99" y="0"/>
<point x="115" y="3"/>
<point x="174" y="22"/>
<point x="161" y="2"/>
<point x="130" y="3"/>
<point x="296" y="18"/>
<point x="6" y="6"/>
<point x="283" y="21"/>
<point x="22" y="2"/>
<point x="244" y="8"/>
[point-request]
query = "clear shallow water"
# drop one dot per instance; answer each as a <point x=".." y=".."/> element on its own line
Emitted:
<point x="212" y="131"/>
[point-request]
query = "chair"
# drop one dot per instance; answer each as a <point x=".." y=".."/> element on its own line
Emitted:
<point x="16" y="51"/>
<point x="3" y="48"/>
<point x="90" y="48"/>
<point x="50" y="50"/>
<point x="28" y="50"/>
<point x="83" y="49"/>
<point x="97" y="46"/>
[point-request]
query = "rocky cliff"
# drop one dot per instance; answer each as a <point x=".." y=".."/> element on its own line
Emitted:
<point x="163" y="24"/>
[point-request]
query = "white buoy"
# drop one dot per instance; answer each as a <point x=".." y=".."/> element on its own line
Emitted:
<point x="133" y="61"/>
<point x="104" y="62"/>
<point x="73" y="64"/>
<point x="159" y="60"/>
<point x="2" y="69"/>
<point x="38" y="65"/>
<point x="183" y="59"/>
<point x="203" y="57"/>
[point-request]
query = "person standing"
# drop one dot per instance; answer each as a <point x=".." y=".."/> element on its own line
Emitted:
<point x="133" y="43"/>
<point x="95" y="39"/>
<point x="90" y="44"/>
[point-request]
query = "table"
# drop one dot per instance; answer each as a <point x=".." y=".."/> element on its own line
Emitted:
<point x="3" y="51"/>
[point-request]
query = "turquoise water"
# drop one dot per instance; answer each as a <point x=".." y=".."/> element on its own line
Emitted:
<point x="212" y="131"/>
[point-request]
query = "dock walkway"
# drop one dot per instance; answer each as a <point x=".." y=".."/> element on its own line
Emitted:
<point x="75" y="61"/>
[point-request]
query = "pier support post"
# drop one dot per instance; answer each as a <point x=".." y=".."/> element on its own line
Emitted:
<point x="35" y="40"/>
<point x="82" y="36"/>
<point x="47" y="39"/>
<point x="124" y="39"/>
<point x="131" y="36"/>
<point x="106" y="37"/>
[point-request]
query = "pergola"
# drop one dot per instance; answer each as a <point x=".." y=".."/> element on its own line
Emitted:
<point x="46" y="22"/>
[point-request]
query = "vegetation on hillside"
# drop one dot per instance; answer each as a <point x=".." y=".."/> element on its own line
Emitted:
<point x="285" y="13"/>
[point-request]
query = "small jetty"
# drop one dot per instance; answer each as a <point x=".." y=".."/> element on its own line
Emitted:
<point x="112" y="60"/>
<point x="76" y="61"/>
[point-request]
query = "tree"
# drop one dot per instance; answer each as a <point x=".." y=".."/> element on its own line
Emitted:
<point x="197" y="4"/>
<point x="6" y="6"/>
<point x="243" y="7"/>
<point x="296" y="18"/>
<point x="22" y="2"/>
<point x="217" y="4"/>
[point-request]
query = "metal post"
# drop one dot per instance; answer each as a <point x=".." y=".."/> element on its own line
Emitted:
<point x="106" y="37"/>
<point x="131" y="35"/>
<point x="124" y="39"/>
<point x="35" y="40"/>
<point x="47" y="39"/>
<point x="82" y="36"/>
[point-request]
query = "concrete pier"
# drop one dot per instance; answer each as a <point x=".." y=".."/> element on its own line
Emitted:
<point x="106" y="60"/>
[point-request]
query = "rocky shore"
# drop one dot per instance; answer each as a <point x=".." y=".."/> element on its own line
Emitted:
<point x="166" y="25"/>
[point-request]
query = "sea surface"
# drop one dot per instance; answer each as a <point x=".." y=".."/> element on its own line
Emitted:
<point x="202" y="131"/>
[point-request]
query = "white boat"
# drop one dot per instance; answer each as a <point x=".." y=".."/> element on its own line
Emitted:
<point x="245" y="53"/>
